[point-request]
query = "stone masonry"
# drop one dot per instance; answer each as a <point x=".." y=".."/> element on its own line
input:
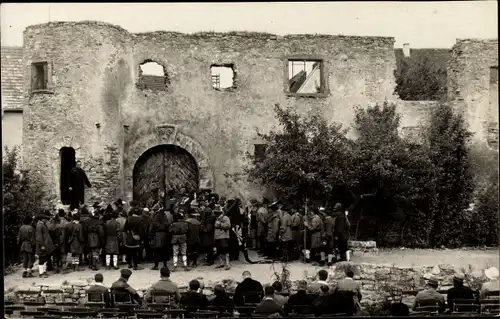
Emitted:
<point x="93" y="103"/>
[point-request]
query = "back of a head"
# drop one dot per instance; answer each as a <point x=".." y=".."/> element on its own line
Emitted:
<point x="27" y="220"/>
<point x="99" y="278"/>
<point x="323" y="274"/>
<point x="246" y="274"/>
<point x="269" y="291"/>
<point x="194" y="285"/>
<point x="278" y="287"/>
<point x="324" y="289"/>
<point x="302" y="285"/>
<point x="165" y="272"/>
<point x="61" y="212"/>
<point x="219" y="290"/>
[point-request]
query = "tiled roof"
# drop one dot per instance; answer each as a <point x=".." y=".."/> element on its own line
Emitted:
<point x="12" y="77"/>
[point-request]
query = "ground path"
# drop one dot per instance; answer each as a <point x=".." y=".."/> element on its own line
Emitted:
<point x="478" y="259"/>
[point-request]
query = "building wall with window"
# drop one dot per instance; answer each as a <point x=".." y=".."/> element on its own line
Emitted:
<point x="93" y="103"/>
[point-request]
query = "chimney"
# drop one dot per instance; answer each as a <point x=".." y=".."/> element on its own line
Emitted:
<point x="406" y="50"/>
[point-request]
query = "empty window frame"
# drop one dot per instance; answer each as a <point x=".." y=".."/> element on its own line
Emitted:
<point x="152" y="76"/>
<point x="223" y="76"/>
<point x="39" y="76"/>
<point x="305" y="76"/>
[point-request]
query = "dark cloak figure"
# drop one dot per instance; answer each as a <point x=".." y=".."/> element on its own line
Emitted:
<point x="77" y="182"/>
<point x="239" y="230"/>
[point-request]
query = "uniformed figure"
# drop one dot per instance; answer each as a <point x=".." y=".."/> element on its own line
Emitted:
<point x="121" y="285"/>
<point x="26" y="242"/>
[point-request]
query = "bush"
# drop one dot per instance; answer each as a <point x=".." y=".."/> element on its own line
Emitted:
<point x="23" y="195"/>
<point x="485" y="220"/>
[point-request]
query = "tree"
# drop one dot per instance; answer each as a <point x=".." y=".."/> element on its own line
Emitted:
<point x="23" y="195"/>
<point x="307" y="158"/>
<point x="454" y="185"/>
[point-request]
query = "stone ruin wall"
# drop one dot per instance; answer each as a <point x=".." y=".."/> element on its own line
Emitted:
<point x="93" y="94"/>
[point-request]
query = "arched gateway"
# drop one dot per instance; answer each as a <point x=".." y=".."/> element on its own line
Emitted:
<point x="165" y="159"/>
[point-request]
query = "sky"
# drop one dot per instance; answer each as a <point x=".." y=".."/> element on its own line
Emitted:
<point x="421" y="24"/>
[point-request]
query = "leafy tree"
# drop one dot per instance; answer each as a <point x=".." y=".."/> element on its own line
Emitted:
<point x="306" y="159"/>
<point x="22" y="195"/>
<point x="454" y="185"/>
<point x="485" y="221"/>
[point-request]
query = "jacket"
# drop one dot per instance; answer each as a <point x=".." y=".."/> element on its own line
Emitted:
<point x="95" y="233"/>
<point x="121" y="285"/>
<point x="222" y="227"/>
<point x="102" y="290"/>
<point x="286" y="227"/>
<point x="192" y="301"/>
<point x="328" y="231"/>
<point x="268" y="306"/>
<point x="26" y="238"/>
<point x="158" y="231"/>
<point x="273" y="226"/>
<point x="315" y="228"/>
<point x="133" y="231"/>
<point x="43" y="242"/>
<point x="262" y="214"/>
<point x="163" y="285"/>
<point x="74" y="231"/>
<point x="112" y="235"/>
<point x="179" y="231"/>
<point x="207" y="228"/>
<point x="193" y="235"/>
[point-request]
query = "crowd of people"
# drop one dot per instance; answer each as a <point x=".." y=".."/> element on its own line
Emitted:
<point x="180" y="226"/>
<point x="318" y="298"/>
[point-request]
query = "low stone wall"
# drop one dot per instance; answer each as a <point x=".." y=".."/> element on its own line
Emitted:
<point x="378" y="283"/>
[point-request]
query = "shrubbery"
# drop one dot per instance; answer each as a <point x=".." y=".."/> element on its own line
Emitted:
<point x="22" y="195"/>
<point x="422" y="191"/>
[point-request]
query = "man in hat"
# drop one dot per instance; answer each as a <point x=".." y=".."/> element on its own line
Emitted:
<point x="77" y="181"/>
<point x="297" y="228"/>
<point x="430" y="295"/>
<point x="491" y="286"/>
<point x="75" y="239"/>
<point x="273" y="226"/>
<point x="158" y="231"/>
<point x="113" y="235"/>
<point x="133" y="232"/>
<point x="221" y="235"/>
<point x="43" y="242"/>
<point x="193" y="236"/>
<point x="95" y="239"/>
<point x="145" y="223"/>
<point x="26" y="242"/>
<point x="341" y="230"/>
<point x="122" y="286"/>
<point x="179" y="230"/>
<point x="286" y="235"/>
<point x="314" y="230"/>
<point x="459" y="291"/>
<point x="328" y="236"/>
<point x="262" y="214"/>
<point x="252" y="212"/>
<point x="207" y="232"/>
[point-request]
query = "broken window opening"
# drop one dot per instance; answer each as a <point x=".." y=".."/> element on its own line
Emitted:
<point x="39" y="76"/>
<point x="305" y="76"/>
<point x="222" y="76"/>
<point x="68" y="161"/>
<point x="259" y="152"/>
<point x="152" y="76"/>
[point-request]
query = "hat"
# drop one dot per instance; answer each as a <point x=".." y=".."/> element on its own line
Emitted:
<point x="126" y="272"/>
<point x="119" y="201"/>
<point x="433" y="282"/>
<point x="337" y="206"/>
<point x="273" y="205"/>
<point x="146" y="210"/>
<point x="321" y="209"/>
<point x="459" y="277"/>
<point x="217" y="209"/>
<point x="491" y="273"/>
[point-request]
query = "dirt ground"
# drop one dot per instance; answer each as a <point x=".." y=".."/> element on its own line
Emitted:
<point x="478" y="259"/>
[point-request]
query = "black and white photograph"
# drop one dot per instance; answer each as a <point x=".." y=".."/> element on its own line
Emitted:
<point x="250" y="159"/>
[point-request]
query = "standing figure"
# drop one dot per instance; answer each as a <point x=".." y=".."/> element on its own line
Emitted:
<point x="179" y="229"/>
<point x="44" y="245"/>
<point x="314" y="229"/>
<point x="221" y="235"/>
<point x="95" y="239"/>
<point x="26" y="241"/>
<point x="74" y="231"/>
<point x="77" y="181"/>
<point x="60" y="256"/>
<point x="113" y="234"/>
<point x="286" y="236"/>
<point x="252" y="211"/>
<point x="273" y="227"/>
<point x="297" y="228"/>
<point x="207" y="232"/>
<point x="262" y="226"/>
<point x="133" y="230"/>
<point x="122" y="219"/>
<point x="193" y="237"/>
<point x="341" y="231"/>
<point x="159" y="233"/>
<point x="328" y="238"/>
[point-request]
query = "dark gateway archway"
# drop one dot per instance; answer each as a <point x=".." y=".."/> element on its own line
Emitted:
<point x="164" y="167"/>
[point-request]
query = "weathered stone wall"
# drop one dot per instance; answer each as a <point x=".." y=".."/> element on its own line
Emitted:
<point x="378" y="283"/>
<point x="414" y="117"/>
<point x="94" y="68"/>
<point x="469" y="84"/>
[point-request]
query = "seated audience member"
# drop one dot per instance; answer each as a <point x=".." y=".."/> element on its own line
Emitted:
<point x="323" y="303"/>
<point x="459" y="291"/>
<point x="268" y="306"/>
<point x="299" y="301"/>
<point x="348" y="284"/>
<point x="99" y="288"/>
<point x="399" y="309"/>
<point x="192" y="299"/>
<point x="222" y="300"/>
<point x="164" y="285"/>
<point x="430" y="295"/>
<point x="122" y="286"/>
<point x="493" y="285"/>
<point x="248" y="290"/>
<point x="315" y="287"/>
<point x="278" y="289"/>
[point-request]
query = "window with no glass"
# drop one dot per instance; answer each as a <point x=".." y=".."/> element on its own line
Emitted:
<point x="222" y="77"/>
<point x="152" y="76"/>
<point x="305" y="76"/>
<point x="39" y="76"/>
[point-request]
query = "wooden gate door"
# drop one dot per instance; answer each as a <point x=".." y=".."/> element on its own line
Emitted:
<point x="164" y="167"/>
